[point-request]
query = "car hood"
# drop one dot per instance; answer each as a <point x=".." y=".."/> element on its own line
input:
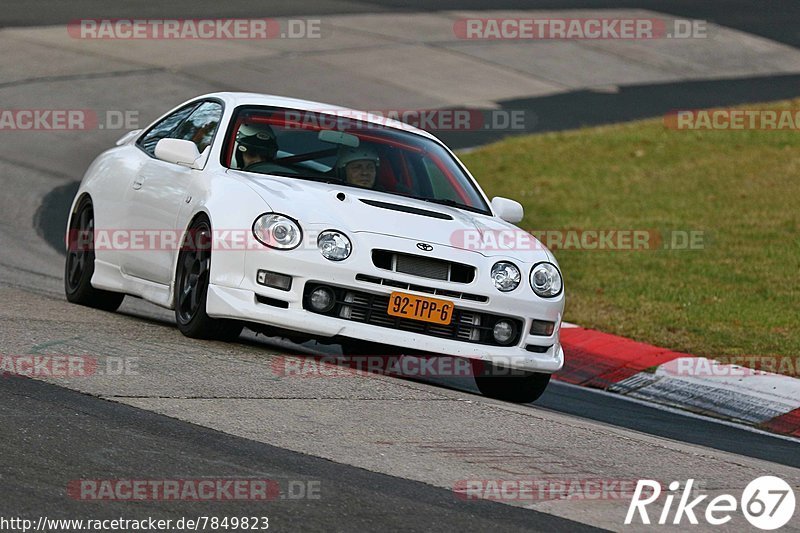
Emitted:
<point x="359" y="210"/>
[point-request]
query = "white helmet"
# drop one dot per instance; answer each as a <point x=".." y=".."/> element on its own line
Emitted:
<point x="348" y="154"/>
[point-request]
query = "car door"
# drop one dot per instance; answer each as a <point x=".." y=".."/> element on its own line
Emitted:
<point x="159" y="190"/>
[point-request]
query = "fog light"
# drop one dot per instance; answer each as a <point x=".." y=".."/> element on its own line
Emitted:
<point x="274" y="280"/>
<point x="321" y="299"/>
<point x="542" y="327"/>
<point x="504" y="332"/>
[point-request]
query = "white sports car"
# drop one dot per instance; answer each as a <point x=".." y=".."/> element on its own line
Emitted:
<point x="315" y="221"/>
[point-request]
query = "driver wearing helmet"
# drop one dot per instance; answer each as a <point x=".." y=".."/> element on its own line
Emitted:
<point x="255" y="143"/>
<point x="358" y="166"/>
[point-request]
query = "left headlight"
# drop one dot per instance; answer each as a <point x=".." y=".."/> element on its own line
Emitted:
<point x="546" y="280"/>
<point x="506" y="276"/>
<point x="334" y="245"/>
<point x="277" y="231"/>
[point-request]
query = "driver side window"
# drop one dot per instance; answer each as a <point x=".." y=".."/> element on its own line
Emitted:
<point x="163" y="129"/>
<point x="195" y="122"/>
<point x="201" y="125"/>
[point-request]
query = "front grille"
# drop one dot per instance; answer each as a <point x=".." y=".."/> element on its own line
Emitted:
<point x="358" y="306"/>
<point x="420" y="266"/>
<point x="424" y="267"/>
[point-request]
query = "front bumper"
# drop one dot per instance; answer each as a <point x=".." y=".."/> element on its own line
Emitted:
<point x="252" y="302"/>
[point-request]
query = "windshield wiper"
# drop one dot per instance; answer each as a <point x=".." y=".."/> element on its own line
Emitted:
<point x="453" y="203"/>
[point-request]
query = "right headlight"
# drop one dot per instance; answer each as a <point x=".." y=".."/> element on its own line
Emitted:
<point x="546" y="280"/>
<point x="277" y="231"/>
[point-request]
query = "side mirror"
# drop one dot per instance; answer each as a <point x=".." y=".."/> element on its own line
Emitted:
<point x="508" y="210"/>
<point x="178" y="151"/>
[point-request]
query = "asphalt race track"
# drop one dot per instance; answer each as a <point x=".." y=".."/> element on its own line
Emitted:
<point x="117" y="439"/>
<point x="385" y="453"/>
<point x="776" y="20"/>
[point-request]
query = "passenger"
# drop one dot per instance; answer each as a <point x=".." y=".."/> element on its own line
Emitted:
<point x="358" y="166"/>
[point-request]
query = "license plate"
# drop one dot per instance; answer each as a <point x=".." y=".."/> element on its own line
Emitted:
<point x="420" y="308"/>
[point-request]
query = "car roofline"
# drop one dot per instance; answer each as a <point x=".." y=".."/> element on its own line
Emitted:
<point x="236" y="99"/>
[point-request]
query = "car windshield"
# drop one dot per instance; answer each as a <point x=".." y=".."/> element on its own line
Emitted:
<point x="350" y="152"/>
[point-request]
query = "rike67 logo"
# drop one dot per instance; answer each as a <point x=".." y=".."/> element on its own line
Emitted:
<point x="768" y="503"/>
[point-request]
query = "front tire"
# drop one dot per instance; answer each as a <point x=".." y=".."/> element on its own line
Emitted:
<point x="509" y="385"/>
<point x="79" y="264"/>
<point x="191" y="288"/>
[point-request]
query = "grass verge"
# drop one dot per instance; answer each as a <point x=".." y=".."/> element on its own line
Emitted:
<point x="735" y="295"/>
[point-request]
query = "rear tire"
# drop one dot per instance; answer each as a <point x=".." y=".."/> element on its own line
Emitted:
<point x="508" y="385"/>
<point x="79" y="264"/>
<point x="191" y="288"/>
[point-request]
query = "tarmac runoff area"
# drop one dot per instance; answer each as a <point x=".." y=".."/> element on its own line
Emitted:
<point x="409" y="430"/>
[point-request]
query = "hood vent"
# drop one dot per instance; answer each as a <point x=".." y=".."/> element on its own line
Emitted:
<point x="407" y="209"/>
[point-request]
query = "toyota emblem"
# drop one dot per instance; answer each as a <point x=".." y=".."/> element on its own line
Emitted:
<point x="425" y="247"/>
